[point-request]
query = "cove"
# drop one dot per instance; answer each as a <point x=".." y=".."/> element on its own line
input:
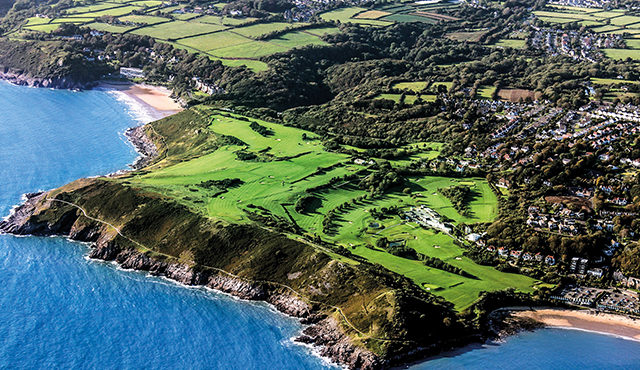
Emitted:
<point x="59" y="310"/>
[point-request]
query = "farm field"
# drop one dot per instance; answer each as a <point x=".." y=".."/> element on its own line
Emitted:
<point x="611" y="81"/>
<point x="624" y="20"/>
<point x="225" y="38"/>
<point x="471" y="36"/>
<point x="509" y="43"/>
<point x="622" y="53"/>
<point x="408" y="99"/>
<point x="177" y="30"/>
<point x="286" y="165"/>
<point x="372" y="14"/>
<point x="218" y="37"/>
<point x="264" y="28"/>
<point x="348" y="15"/>
<point x="514" y="95"/>
<point x="486" y="92"/>
<point x="412" y="86"/>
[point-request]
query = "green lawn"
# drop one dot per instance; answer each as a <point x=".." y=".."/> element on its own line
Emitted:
<point x="105" y="27"/>
<point x="457" y="289"/>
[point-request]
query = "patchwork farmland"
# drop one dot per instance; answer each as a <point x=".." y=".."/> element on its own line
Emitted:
<point x="614" y="22"/>
<point x="232" y="40"/>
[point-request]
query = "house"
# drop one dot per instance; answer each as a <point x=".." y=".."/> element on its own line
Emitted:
<point x="515" y="254"/>
<point x="595" y="272"/>
<point x="538" y="257"/>
<point x="503" y="252"/>
<point x="550" y="260"/>
<point x="503" y="183"/>
<point x="131" y="72"/>
<point x="527" y="256"/>
<point x="474" y="237"/>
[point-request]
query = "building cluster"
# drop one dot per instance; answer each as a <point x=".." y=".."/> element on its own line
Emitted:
<point x="517" y="255"/>
<point x="582" y="3"/>
<point x="616" y="300"/>
<point x="428" y="218"/>
<point x="576" y="44"/>
<point x="561" y="220"/>
<point x="206" y="87"/>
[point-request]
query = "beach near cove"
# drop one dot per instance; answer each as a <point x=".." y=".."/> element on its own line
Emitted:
<point x="589" y="320"/>
<point x="156" y="100"/>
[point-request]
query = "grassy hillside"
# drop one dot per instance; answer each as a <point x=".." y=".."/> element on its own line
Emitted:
<point x="249" y="171"/>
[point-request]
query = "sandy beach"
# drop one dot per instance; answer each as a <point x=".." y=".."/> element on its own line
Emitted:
<point x="155" y="98"/>
<point x="585" y="320"/>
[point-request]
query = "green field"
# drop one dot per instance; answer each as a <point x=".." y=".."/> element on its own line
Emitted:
<point x="226" y="21"/>
<point x="633" y="44"/>
<point x="624" y="20"/>
<point x="605" y="29"/>
<point x="611" y="81"/>
<point x="263" y="28"/>
<point x="143" y="19"/>
<point x="288" y="166"/>
<point x="177" y="30"/>
<point x="486" y="92"/>
<point x="345" y="15"/>
<point x="508" y="43"/>
<point x="622" y="54"/>
<point x="249" y="50"/>
<point x="416" y="86"/>
<point x="105" y="27"/>
<point x="214" y="41"/>
<point x="408" y="99"/>
<point x="218" y="37"/>
<point x="297" y="39"/>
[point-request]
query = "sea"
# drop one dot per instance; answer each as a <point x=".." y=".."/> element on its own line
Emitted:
<point x="60" y="310"/>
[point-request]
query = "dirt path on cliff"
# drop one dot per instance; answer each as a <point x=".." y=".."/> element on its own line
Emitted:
<point x="336" y="308"/>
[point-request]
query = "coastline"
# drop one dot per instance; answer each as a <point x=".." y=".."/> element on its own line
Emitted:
<point x="149" y="103"/>
<point x="586" y="320"/>
<point x="322" y="332"/>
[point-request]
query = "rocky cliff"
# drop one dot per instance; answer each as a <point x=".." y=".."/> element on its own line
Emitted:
<point x="361" y="317"/>
<point x="23" y="79"/>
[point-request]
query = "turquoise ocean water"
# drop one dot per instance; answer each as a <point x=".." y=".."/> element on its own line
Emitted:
<point x="59" y="310"/>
